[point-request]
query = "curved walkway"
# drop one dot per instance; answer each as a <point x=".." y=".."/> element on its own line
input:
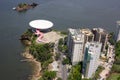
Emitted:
<point x="39" y="34"/>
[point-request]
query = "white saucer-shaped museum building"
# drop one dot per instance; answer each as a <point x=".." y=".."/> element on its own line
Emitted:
<point x="41" y="24"/>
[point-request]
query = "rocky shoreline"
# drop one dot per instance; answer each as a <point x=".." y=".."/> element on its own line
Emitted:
<point x="28" y="39"/>
<point x="37" y="65"/>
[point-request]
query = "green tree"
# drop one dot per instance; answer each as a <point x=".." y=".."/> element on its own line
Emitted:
<point x="65" y="61"/>
<point x="116" y="68"/>
<point x="21" y="5"/>
<point x="61" y="41"/>
<point x="42" y="52"/>
<point x="75" y="73"/>
<point x="86" y="79"/>
<point x="49" y="75"/>
<point x="97" y="72"/>
<point x="57" y="57"/>
<point x="111" y="38"/>
<point x="118" y="78"/>
<point x="62" y="45"/>
<point x="59" y="79"/>
<point x="63" y="32"/>
<point x="64" y="48"/>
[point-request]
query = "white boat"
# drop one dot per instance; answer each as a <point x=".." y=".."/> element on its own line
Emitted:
<point x="14" y="8"/>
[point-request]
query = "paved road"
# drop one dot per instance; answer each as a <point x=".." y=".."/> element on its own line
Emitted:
<point x="56" y="47"/>
<point x="64" y="68"/>
<point x="62" y="73"/>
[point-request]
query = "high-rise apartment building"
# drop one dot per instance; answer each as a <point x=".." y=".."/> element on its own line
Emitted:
<point x="75" y="45"/>
<point x="89" y="36"/>
<point x="91" y="57"/>
<point x="118" y="31"/>
<point x="100" y="35"/>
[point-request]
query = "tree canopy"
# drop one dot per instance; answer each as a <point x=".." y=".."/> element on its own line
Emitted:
<point x="75" y="73"/>
<point x="116" y="66"/>
<point x="41" y="52"/>
<point x="48" y="75"/>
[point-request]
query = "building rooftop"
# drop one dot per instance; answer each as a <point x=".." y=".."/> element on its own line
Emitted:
<point x="101" y="30"/>
<point x="41" y="24"/>
<point x="86" y="31"/>
<point x="76" y="35"/>
<point x="118" y="22"/>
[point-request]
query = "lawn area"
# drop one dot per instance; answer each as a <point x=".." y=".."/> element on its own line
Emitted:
<point x="114" y="76"/>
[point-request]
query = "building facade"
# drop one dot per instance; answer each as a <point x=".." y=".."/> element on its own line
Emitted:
<point x="75" y="45"/>
<point x="91" y="57"/>
<point x="118" y="31"/>
<point x="100" y="35"/>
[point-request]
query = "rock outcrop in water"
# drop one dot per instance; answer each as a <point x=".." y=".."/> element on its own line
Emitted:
<point x="26" y="37"/>
<point x="23" y="6"/>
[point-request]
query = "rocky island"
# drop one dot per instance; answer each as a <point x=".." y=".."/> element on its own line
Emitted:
<point x="23" y="6"/>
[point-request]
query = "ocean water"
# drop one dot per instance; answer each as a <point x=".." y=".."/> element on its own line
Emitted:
<point x="63" y="13"/>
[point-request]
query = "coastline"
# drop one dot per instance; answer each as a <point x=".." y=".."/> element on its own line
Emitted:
<point x="36" y="65"/>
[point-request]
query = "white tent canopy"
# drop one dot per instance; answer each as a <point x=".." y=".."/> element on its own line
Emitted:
<point x="41" y="24"/>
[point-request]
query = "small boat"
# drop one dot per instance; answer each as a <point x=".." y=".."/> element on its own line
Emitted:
<point x="14" y="8"/>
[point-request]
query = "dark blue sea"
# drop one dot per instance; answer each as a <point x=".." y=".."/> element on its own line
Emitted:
<point x="63" y="13"/>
